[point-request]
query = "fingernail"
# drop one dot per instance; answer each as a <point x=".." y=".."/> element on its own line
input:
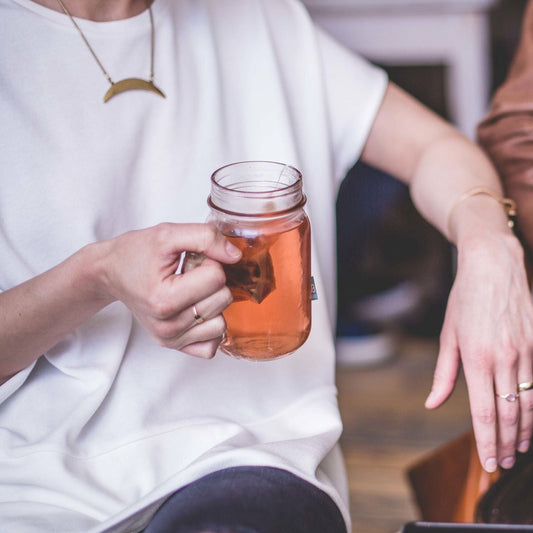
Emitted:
<point x="491" y="464"/>
<point x="523" y="447"/>
<point x="430" y="397"/>
<point x="507" y="462"/>
<point x="232" y="249"/>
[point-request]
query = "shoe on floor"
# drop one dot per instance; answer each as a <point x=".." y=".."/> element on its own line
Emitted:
<point x="360" y="345"/>
<point x="389" y="305"/>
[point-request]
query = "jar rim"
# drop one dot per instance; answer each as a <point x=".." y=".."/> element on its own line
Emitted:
<point x="239" y="164"/>
<point x="256" y="187"/>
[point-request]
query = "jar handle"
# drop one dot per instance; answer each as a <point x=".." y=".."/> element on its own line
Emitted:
<point x="191" y="261"/>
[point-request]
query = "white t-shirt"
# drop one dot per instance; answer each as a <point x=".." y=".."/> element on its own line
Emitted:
<point x="107" y="423"/>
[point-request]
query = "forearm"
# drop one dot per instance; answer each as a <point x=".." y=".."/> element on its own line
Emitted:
<point x="448" y="168"/>
<point x="37" y="314"/>
<point x="439" y="165"/>
<point x="137" y="268"/>
<point x="477" y="224"/>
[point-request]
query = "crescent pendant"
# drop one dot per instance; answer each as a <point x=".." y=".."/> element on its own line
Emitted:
<point x="131" y="84"/>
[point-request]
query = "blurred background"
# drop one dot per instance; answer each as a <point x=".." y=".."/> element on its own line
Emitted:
<point x="394" y="269"/>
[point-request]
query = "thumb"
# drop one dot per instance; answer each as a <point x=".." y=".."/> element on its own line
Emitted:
<point x="204" y="240"/>
<point x="220" y="248"/>
<point x="445" y="375"/>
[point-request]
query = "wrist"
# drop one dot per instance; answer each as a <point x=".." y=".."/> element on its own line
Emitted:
<point x="92" y="272"/>
<point x="489" y="243"/>
<point x="476" y="214"/>
<point x="508" y="205"/>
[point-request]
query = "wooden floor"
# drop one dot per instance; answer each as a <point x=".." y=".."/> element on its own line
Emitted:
<point x="386" y="428"/>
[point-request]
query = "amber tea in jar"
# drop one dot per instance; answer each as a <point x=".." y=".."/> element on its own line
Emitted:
<point x="259" y="207"/>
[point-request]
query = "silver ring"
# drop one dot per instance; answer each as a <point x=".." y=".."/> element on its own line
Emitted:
<point x="526" y="385"/>
<point x="197" y="318"/>
<point x="511" y="397"/>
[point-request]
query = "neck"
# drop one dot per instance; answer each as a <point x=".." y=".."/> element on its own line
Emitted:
<point x="99" y="10"/>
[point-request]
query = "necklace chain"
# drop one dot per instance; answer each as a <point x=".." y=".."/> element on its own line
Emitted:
<point x="129" y="83"/>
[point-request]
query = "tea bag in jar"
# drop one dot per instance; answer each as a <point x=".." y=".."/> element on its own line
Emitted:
<point x="252" y="278"/>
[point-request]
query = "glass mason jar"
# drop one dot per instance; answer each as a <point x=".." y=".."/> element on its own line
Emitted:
<point x="259" y="207"/>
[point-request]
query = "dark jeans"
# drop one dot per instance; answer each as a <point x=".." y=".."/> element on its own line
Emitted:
<point x="248" y="500"/>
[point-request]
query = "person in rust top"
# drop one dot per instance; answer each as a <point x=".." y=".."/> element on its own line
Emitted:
<point x="506" y="133"/>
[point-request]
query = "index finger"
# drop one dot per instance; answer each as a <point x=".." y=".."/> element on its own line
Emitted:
<point x="203" y="239"/>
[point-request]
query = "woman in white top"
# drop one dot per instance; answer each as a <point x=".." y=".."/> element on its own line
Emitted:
<point x="112" y="396"/>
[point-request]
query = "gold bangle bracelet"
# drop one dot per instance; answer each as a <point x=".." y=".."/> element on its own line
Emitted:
<point x="508" y="205"/>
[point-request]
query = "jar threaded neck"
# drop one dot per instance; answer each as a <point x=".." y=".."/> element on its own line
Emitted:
<point x="256" y="187"/>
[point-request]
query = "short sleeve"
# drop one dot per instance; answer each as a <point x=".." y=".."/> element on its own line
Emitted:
<point x="354" y="90"/>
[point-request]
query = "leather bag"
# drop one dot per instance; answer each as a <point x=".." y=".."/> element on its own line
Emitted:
<point x="448" y="483"/>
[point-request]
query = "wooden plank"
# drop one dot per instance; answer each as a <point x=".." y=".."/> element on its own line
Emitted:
<point x="387" y="428"/>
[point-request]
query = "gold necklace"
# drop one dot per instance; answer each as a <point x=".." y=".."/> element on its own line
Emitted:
<point x="127" y="84"/>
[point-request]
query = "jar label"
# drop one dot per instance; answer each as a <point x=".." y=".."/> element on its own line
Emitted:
<point x="314" y="293"/>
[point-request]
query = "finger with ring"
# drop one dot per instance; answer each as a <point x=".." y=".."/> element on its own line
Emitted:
<point x="510" y="397"/>
<point x="525" y="385"/>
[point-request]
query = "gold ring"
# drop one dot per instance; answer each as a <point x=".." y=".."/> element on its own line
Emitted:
<point x="511" y="397"/>
<point x="197" y="318"/>
<point x="526" y="385"/>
